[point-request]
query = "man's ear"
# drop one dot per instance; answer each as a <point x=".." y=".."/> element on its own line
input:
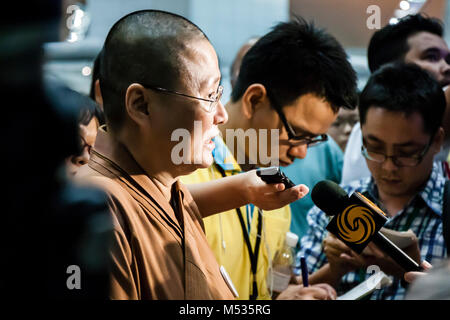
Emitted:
<point x="438" y="140"/>
<point x="254" y="97"/>
<point x="98" y="94"/>
<point x="136" y="103"/>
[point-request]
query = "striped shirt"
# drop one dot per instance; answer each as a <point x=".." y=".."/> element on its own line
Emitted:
<point x="423" y="215"/>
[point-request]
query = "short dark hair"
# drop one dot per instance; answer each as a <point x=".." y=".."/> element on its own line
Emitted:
<point x="144" y="47"/>
<point x="236" y="64"/>
<point x="405" y="88"/>
<point x="294" y="59"/>
<point x="88" y="110"/>
<point x="390" y="43"/>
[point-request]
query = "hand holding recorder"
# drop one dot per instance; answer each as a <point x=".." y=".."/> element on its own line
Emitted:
<point x="356" y="222"/>
<point x="269" y="188"/>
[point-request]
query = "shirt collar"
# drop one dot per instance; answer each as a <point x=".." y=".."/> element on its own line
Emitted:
<point x="433" y="191"/>
<point x="111" y="154"/>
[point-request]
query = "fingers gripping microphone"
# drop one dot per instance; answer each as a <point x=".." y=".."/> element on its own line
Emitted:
<point x="357" y="221"/>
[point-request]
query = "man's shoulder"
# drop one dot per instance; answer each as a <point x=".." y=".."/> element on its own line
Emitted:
<point x="433" y="191"/>
<point x="89" y="177"/>
<point x="360" y="185"/>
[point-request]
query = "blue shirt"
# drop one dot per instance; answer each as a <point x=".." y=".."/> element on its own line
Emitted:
<point x="427" y="225"/>
<point x="322" y="162"/>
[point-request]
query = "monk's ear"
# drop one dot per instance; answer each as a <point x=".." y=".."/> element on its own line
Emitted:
<point x="137" y="103"/>
<point x="254" y="98"/>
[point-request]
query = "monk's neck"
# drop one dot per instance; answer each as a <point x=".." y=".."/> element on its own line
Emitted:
<point x="164" y="183"/>
<point x="162" y="172"/>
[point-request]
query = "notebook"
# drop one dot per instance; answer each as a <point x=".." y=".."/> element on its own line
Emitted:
<point x="376" y="281"/>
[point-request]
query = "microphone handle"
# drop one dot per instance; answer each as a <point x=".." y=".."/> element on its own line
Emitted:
<point x="399" y="256"/>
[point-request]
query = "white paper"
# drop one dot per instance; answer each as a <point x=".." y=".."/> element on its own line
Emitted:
<point x="374" y="282"/>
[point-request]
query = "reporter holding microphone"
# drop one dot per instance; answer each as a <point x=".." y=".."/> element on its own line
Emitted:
<point x="401" y="109"/>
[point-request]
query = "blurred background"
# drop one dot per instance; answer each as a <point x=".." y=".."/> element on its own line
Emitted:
<point x="85" y="24"/>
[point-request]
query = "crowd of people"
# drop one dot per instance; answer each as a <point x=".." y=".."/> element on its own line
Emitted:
<point x="145" y="225"/>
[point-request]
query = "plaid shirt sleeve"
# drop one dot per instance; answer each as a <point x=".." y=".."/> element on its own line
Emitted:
<point x="311" y="244"/>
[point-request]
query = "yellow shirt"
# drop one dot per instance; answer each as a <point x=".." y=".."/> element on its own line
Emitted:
<point x="224" y="232"/>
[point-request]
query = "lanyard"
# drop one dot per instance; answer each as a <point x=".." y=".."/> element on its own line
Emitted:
<point x="249" y="209"/>
<point x="253" y="254"/>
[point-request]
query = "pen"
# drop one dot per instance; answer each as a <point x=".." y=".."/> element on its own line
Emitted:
<point x="304" y="268"/>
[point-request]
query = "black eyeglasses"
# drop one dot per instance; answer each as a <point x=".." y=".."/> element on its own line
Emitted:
<point x="296" y="140"/>
<point x="399" y="161"/>
<point x="214" y="98"/>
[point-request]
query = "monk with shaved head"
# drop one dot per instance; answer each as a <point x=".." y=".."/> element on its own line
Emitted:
<point x="159" y="250"/>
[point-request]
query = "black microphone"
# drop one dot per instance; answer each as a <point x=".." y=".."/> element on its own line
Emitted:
<point x="357" y="221"/>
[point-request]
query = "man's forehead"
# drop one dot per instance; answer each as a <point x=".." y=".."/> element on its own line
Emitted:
<point x="347" y="114"/>
<point x="421" y="41"/>
<point x="201" y="64"/>
<point x="211" y="81"/>
<point x="310" y="114"/>
<point x="378" y="126"/>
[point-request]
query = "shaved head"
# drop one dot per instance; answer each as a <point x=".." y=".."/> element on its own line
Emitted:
<point x="146" y="47"/>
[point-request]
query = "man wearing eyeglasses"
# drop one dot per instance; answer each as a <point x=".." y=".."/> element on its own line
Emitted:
<point x="414" y="39"/>
<point x="401" y="109"/>
<point x="89" y="120"/>
<point x="294" y="80"/>
<point x="159" y="250"/>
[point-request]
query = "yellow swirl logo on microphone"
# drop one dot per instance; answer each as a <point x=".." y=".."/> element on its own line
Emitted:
<point x="356" y="224"/>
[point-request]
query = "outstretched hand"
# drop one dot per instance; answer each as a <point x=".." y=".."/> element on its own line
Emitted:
<point x="271" y="196"/>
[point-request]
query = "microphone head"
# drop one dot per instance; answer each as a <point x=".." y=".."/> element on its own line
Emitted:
<point x="329" y="197"/>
